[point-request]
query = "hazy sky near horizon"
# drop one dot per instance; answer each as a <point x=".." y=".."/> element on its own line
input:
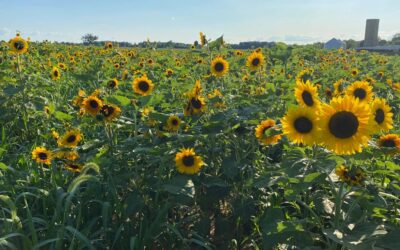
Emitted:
<point x="290" y="21"/>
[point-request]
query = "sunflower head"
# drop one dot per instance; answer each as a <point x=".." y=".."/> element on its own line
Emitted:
<point x="304" y="76"/>
<point x="354" y="72"/>
<point x="390" y="143"/>
<point x="344" y="125"/>
<point x="169" y="72"/>
<point x="73" y="167"/>
<point x="203" y="40"/>
<point x="42" y="155"/>
<point x="187" y="162"/>
<point x="255" y="61"/>
<point x="262" y="130"/>
<point x="92" y="105"/>
<point x="110" y="112"/>
<point x="108" y="45"/>
<point x="360" y="90"/>
<point x="195" y="105"/>
<point x="142" y="86"/>
<point x="300" y="125"/>
<point x="219" y="66"/>
<point x="18" y="45"/>
<point x="307" y="95"/>
<point x="381" y="115"/>
<point x="113" y="83"/>
<point x="70" y="139"/>
<point x="354" y="176"/>
<point x="55" y="74"/>
<point x="173" y="123"/>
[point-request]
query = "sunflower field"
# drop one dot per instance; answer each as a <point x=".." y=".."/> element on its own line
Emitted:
<point x="289" y="147"/>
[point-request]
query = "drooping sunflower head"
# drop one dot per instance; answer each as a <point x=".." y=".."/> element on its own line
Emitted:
<point x="219" y="66"/>
<point x="18" y="45"/>
<point x="262" y="130"/>
<point x="187" y="162"/>
<point x="344" y="125"/>
<point x="110" y="112"/>
<point x="42" y="155"/>
<point x="142" y="86"/>
<point x="338" y="87"/>
<point x="255" y="61"/>
<point x="70" y="139"/>
<point x="304" y="76"/>
<point x="173" y="123"/>
<point x="360" y="90"/>
<point x="68" y="155"/>
<point x="307" y="95"/>
<point x="113" y="83"/>
<point x="73" y="167"/>
<point x="55" y="74"/>
<point x="300" y="125"/>
<point x="382" y="117"/>
<point x="390" y="143"/>
<point x="92" y="105"/>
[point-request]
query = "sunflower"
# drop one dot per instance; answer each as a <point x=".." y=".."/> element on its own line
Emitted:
<point x="187" y="162"/>
<point x="110" y="112"/>
<point x="55" y="74"/>
<point x="255" y="61"/>
<point x="354" y="176"/>
<point x="300" y="125"/>
<point x="169" y="72"/>
<point x="382" y="117"/>
<point x="304" y="76"/>
<point x="92" y="105"/>
<point x="360" y="90"/>
<point x="143" y="86"/>
<point x="173" y="123"/>
<point x="219" y="66"/>
<point x="261" y="130"/>
<point x="390" y="142"/>
<point x="338" y="88"/>
<point x="307" y="95"/>
<point x="70" y="139"/>
<point x="195" y="105"/>
<point x="113" y="83"/>
<point x="344" y="125"/>
<point x="19" y="45"/>
<point x="42" y="155"/>
<point x="62" y="66"/>
<point x="354" y="72"/>
<point x="73" y="167"/>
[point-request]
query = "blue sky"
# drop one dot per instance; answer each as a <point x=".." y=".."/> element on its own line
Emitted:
<point x="290" y="21"/>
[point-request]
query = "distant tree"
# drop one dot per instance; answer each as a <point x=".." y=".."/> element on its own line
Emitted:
<point x="89" y="38"/>
<point x="396" y="39"/>
<point x="352" y="44"/>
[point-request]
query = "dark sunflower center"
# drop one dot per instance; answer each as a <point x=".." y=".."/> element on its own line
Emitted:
<point x="55" y="73"/>
<point x="303" y="125"/>
<point x="71" y="138"/>
<point x="174" y="122"/>
<point x="306" y="77"/>
<point x="19" y="45"/>
<point x="379" y="116"/>
<point x="255" y="62"/>
<point x="73" y="166"/>
<point x="219" y="67"/>
<point x="112" y="84"/>
<point x="360" y="93"/>
<point x="354" y="72"/>
<point x="143" y="86"/>
<point x="343" y="124"/>
<point x="388" y="143"/>
<point x="307" y="98"/>
<point x="42" y="156"/>
<point x="188" y="160"/>
<point x="195" y="103"/>
<point x="107" y="110"/>
<point x="93" y="104"/>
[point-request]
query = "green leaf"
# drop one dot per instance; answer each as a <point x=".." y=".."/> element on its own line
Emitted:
<point x="62" y="116"/>
<point x="180" y="185"/>
<point x="122" y="100"/>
